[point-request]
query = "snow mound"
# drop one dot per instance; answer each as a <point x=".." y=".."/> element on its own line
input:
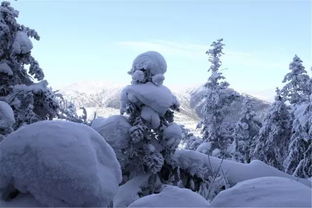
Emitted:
<point x="22" y="43"/>
<point x="6" y="116"/>
<point x="151" y="61"/>
<point x="159" y="98"/>
<point x="60" y="164"/>
<point x="265" y="192"/>
<point x="172" y="196"/>
<point x="115" y="130"/>
<point x="195" y="162"/>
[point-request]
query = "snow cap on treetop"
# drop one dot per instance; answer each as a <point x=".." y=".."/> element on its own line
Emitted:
<point x="151" y="61"/>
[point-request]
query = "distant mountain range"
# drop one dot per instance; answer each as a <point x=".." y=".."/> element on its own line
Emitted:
<point x="103" y="99"/>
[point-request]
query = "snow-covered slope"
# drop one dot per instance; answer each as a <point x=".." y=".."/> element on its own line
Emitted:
<point x="103" y="99"/>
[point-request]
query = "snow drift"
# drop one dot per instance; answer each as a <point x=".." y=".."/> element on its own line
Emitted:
<point x="60" y="164"/>
<point x="172" y="196"/>
<point x="265" y="192"/>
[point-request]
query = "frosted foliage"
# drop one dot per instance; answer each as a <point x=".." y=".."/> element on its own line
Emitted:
<point x="217" y="98"/>
<point x="298" y="85"/>
<point x="273" y="138"/>
<point x="20" y="74"/>
<point x="246" y="129"/>
<point x="6" y="118"/>
<point x="149" y="106"/>
<point x="265" y="192"/>
<point x="22" y="43"/>
<point x="115" y="130"/>
<point x="56" y="161"/>
<point x="298" y="161"/>
<point x="172" y="196"/>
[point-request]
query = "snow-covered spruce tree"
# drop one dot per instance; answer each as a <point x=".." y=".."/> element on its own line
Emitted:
<point x="149" y="106"/>
<point x="21" y="79"/>
<point x="298" y="85"/>
<point x="246" y="129"/>
<point x="217" y="97"/>
<point x="299" y="159"/>
<point x="273" y="138"/>
<point x="22" y="83"/>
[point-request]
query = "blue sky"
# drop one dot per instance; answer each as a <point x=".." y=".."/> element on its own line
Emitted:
<point x="97" y="40"/>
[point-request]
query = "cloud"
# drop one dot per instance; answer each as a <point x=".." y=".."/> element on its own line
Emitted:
<point x="195" y="52"/>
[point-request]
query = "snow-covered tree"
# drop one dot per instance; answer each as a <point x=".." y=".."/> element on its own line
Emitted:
<point x="298" y="85"/>
<point x="149" y="106"/>
<point x="273" y="138"/>
<point x="217" y="97"/>
<point x="22" y="85"/>
<point x="246" y="129"/>
<point x="299" y="159"/>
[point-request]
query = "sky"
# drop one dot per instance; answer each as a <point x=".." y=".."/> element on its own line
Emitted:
<point x="93" y="40"/>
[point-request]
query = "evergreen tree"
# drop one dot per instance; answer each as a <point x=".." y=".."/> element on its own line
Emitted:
<point x="246" y="129"/>
<point x="149" y="106"/>
<point x="217" y="97"/>
<point x="273" y="138"/>
<point x="298" y="85"/>
<point x="22" y="85"/>
<point x="299" y="159"/>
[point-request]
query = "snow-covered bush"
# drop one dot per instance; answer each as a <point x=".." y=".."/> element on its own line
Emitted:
<point x="217" y="98"/>
<point x="59" y="163"/>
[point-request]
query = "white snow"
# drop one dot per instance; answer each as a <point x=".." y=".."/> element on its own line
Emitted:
<point x="158" y="79"/>
<point x="172" y="135"/>
<point x="128" y="192"/>
<point x="234" y="172"/>
<point x="265" y="192"/>
<point x="4" y="68"/>
<point x="115" y="130"/>
<point x="159" y="98"/>
<point x="172" y="196"/>
<point x="60" y="164"/>
<point x="22" y="43"/>
<point x="6" y="115"/>
<point x="204" y="147"/>
<point x="152" y="61"/>
<point x="149" y="115"/>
